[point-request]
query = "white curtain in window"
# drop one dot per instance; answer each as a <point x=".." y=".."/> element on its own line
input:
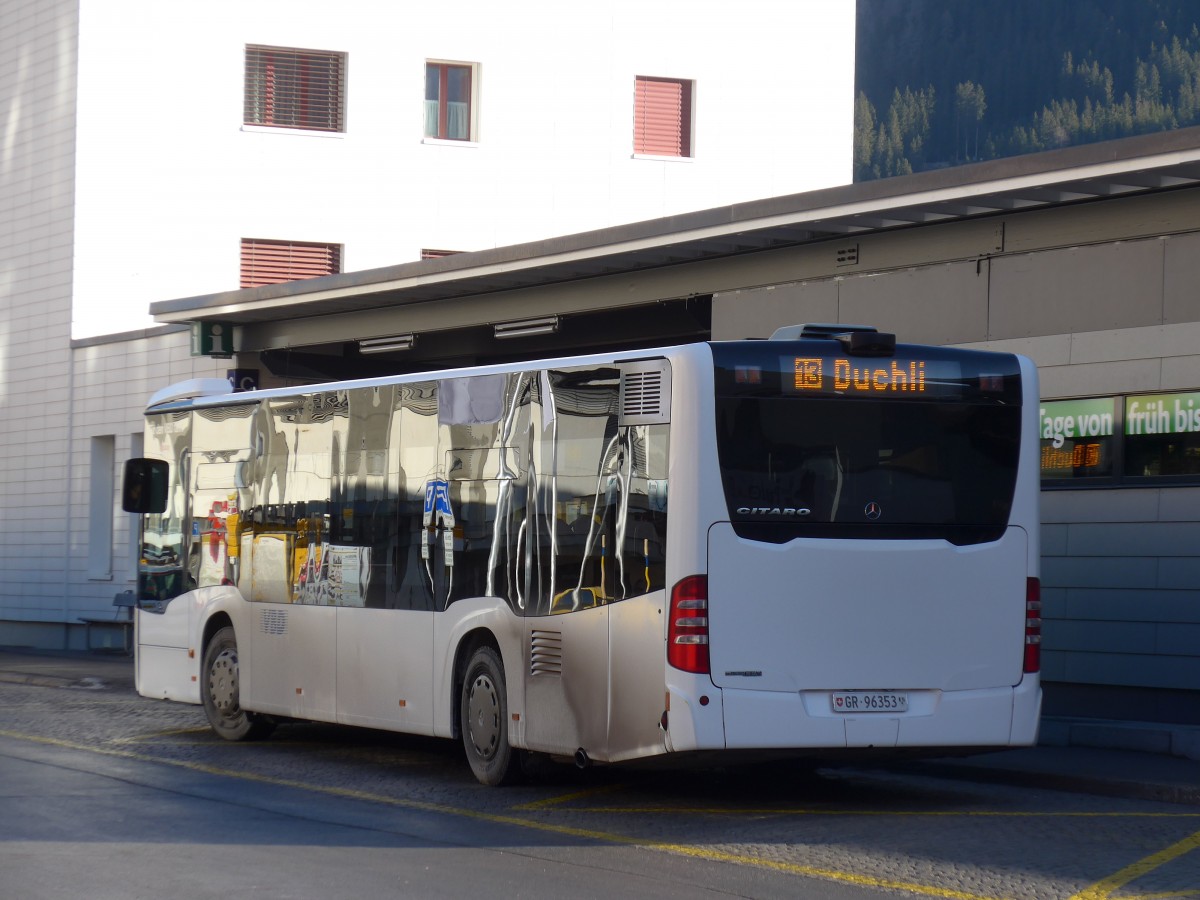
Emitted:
<point x="431" y="118"/>
<point x="458" y="125"/>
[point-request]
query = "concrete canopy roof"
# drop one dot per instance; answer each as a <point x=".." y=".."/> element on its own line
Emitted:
<point x="1146" y="163"/>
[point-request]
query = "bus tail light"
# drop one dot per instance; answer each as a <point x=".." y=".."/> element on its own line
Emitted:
<point x="687" y="626"/>
<point x="1033" y="625"/>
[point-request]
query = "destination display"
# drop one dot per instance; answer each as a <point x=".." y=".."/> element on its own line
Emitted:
<point x="817" y="369"/>
<point x="911" y="378"/>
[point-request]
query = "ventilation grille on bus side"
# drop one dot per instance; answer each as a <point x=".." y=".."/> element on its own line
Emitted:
<point x="545" y="657"/>
<point x="273" y="621"/>
<point x="646" y="392"/>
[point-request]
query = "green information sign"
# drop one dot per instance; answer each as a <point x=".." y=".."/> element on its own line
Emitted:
<point x="1070" y="420"/>
<point x="1162" y="414"/>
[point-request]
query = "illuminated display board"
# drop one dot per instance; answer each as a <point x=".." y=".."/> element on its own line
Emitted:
<point x="910" y="378"/>
<point x="1077" y="437"/>
<point x="816" y="368"/>
<point x="842" y="375"/>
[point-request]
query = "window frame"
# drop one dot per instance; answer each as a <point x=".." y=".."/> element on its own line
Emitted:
<point x="444" y="68"/>
<point x="650" y="100"/>
<point x="1118" y="478"/>
<point x="263" y="63"/>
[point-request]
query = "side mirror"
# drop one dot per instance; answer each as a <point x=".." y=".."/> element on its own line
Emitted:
<point x="144" y="486"/>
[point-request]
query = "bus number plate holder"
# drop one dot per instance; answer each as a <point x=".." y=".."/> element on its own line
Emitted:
<point x="869" y="702"/>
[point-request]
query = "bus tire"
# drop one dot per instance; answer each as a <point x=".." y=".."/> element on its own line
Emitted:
<point x="483" y="717"/>
<point x="219" y="691"/>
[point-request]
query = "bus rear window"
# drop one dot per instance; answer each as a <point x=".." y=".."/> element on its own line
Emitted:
<point x="837" y="466"/>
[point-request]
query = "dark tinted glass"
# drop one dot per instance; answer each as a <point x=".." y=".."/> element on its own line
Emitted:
<point x="868" y="465"/>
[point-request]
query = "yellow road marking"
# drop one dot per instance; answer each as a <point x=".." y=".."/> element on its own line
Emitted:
<point x="149" y="736"/>
<point x="567" y="798"/>
<point x="1100" y="891"/>
<point x="1105" y="888"/>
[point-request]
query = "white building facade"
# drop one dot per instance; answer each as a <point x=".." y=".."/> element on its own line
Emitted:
<point x="148" y="150"/>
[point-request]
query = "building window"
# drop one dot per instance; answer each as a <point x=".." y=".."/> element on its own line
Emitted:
<point x="448" y="101"/>
<point x="272" y="262"/>
<point x="662" y="123"/>
<point x="288" y="88"/>
<point x="1078" y="438"/>
<point x="101" y="506"/>
<point x="1121" y="439"/>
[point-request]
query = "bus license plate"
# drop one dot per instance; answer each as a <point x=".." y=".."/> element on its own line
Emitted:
<point x="869" y="702"/>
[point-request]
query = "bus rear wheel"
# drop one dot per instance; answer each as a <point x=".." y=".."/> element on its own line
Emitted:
<point x="483" y="718"/>
<point x="220" y="692"/>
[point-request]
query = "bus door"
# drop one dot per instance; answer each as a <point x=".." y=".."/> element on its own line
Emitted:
<point x="568" y="537"/>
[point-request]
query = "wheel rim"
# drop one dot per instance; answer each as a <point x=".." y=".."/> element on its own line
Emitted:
<point x="483" y="716"/>
<point x="223" y="683"/>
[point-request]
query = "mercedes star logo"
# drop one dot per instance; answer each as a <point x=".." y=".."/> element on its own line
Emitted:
<point x="872" y="510"/>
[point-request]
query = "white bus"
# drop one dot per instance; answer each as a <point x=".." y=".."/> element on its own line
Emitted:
<point x="811" y="544"/>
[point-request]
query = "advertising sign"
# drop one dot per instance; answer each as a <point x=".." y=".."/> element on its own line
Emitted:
<point x="1077" y="437"/>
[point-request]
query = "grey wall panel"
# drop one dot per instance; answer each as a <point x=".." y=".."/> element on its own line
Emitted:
<point x="1120" y="219"/>
<point x="944" y="304"/>
<point x="1180" y="373"/>
<point x="1180" y="573"/>
<point x="1181" y="504"/>
<point x="1125" y="572"/>
<point x="1117" y="638"/>
<point x="1181" y="274"/>
<point x="1054" y="539"/>
<point x="1177" y="640"/>
<point x="1101" y="506"/>
<point x="1045" y="350"/>
<point x="1077" y="289"/>
<point x="1054" y="601"/>
<point x="1126" y="376"/>
<point x="1054" y="665"/>
<point x="1148" y="342"/>
<point x="1134" y="539"/>
<point x="1134" y="670"/>
<point x="758" y="312"/>
<point x="1130" y="605"/>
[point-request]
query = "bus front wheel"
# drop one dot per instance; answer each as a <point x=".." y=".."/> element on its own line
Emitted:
<point x="220" y="693"/>
<point x="483" y="717"/>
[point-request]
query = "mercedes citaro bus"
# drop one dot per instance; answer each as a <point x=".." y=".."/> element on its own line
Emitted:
<point x="814" y="544"/>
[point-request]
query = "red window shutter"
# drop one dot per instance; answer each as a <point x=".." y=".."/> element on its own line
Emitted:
<point x="272" y="262"/>
<point x="289" y="88"/>
<point x="662" y="117"/>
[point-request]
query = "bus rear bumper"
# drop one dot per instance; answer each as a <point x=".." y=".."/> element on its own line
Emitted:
<point x="992" y="717"/>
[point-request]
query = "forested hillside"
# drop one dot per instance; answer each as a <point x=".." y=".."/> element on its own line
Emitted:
<point x="943" y="82"/>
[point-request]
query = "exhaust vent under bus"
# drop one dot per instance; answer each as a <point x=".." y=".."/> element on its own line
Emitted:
<point x="645" y="392"/>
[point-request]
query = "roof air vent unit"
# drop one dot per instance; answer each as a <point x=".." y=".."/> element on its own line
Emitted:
<point x="645" y="392"/>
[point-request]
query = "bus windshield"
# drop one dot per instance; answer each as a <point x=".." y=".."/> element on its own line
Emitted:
<point x="813" y="454"/>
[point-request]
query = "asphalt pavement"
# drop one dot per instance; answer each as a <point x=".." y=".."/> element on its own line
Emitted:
<point x="1145" y="761"/>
